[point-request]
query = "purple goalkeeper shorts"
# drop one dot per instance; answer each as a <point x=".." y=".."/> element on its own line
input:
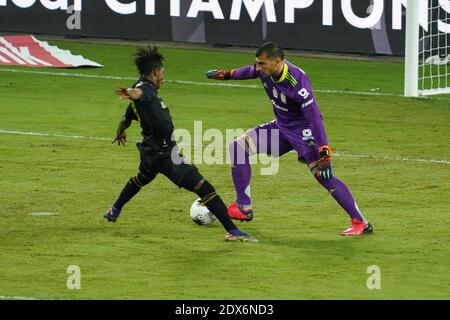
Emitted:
<point x="272" y="139"/>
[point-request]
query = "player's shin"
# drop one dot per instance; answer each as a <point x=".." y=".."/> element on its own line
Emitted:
<point x="215" y="204"/>
<point x="343" y="196"/>
<point x="241" y="172"/>
<point x="133" y="186"/>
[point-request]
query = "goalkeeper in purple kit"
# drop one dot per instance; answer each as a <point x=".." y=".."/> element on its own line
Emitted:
<point x="297" y="126"/>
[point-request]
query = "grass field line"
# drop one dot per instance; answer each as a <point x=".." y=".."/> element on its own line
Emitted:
<point x="40" y="134"/>
<point x="211" y="84"/>
<point x="17" y="298"/>
<point x="57" y="135"/>
<point x="24" y="298"/>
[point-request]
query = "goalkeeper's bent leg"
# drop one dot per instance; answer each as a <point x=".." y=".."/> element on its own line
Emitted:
<point x="241" y="171"/>
<point x="338" y="190"/>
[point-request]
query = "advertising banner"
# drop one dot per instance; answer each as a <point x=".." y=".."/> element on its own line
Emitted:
<point x="358" y="26"/>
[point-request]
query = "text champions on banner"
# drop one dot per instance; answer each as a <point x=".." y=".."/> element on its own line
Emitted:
<point x="254" y="8"/>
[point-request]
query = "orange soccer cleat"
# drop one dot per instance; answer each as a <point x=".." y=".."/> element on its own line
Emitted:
<point x="237" y="213"/>
<point x="358" y="228"/>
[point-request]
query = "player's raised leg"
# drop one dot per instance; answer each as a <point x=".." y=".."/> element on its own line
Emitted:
<point x="266" y="139"/>
<point x="340" y="192"/>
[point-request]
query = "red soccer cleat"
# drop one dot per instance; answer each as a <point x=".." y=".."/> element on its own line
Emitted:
<point x="237" y="213"/>
<point x="358" y="228"/>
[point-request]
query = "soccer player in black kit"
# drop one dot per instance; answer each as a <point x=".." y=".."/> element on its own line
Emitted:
<point x="158" y="150"/>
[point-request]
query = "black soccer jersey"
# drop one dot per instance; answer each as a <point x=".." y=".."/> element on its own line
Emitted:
<point x="153" y="115"/>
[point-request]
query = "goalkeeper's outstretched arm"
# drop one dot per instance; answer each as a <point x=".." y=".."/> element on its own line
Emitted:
<point x="243" y="73"/>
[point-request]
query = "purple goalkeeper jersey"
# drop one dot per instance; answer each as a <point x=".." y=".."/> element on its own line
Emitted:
<point x="292" y="98"/>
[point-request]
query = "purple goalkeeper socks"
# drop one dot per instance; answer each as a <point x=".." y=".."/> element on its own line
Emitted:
<point x="343" y="196"/>
<point x="241" y="174"/>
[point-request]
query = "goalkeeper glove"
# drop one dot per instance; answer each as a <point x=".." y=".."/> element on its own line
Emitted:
<point x="325" y="169"/>
<point x="219" y="74"/>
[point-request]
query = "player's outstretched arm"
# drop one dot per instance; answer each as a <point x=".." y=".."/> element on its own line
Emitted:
<point x="243" y="73"/>
<point x="220" y="74"/>
<point x="129" y="93"/>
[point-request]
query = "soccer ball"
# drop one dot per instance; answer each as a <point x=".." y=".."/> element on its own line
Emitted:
<point x="200" y="214"/>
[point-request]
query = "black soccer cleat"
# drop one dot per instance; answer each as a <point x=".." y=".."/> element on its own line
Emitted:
<point x="237" y="235"/>
<point x="112" y="214"/>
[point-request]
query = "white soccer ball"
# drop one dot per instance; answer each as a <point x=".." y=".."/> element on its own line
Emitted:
<point x="200" y="214"/>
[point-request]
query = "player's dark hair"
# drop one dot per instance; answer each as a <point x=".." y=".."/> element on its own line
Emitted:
<point x="271" y="49"/>
<point x="147" y="59"/>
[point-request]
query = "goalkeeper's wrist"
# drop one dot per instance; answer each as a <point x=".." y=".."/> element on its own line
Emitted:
<point x="325" y="152"/>
<point x="228" y="75"/>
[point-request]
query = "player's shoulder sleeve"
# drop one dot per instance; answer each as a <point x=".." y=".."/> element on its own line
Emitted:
<point x="148" y="90"/>
<point x="303" y="93"/>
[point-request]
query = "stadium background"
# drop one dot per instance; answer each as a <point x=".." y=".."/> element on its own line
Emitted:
<point x="307" y="33"/>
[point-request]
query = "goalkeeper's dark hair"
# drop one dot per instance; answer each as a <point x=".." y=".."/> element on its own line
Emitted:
<point x="147" y="59"/>
<point x="271" y="49"/>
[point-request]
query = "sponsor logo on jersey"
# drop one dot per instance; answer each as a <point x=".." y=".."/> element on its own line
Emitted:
<point x="275" y="105"/>
<point x="303" y="93"/>
<point x="307" y="103"/>
<point x="283" y="98"/>
<point x="307" y="134"/>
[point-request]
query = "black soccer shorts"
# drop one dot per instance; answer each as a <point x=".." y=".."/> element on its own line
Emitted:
<point x="171" y="164"/>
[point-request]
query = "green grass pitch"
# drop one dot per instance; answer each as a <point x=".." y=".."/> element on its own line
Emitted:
<point x="155" y="251"/>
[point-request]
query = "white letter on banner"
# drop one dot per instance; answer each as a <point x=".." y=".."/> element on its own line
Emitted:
<point x="291" y="5"/>
<point x="397" y="13"/>
<point x="327" y="14"/>
<point x="150" y="7"/>
<point x="253" y="8"/>
<point x="174" y="8"/>
<point x="122" y="8"/>
<point x="363" y="23"/>
<point x="53" y="5"/>
<point x="77" y="5"/>
<point x="24" y="3"/>
<point x="442" y="26"/>
<point x="211" y="6"/>
<point x="2" y="2"/>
